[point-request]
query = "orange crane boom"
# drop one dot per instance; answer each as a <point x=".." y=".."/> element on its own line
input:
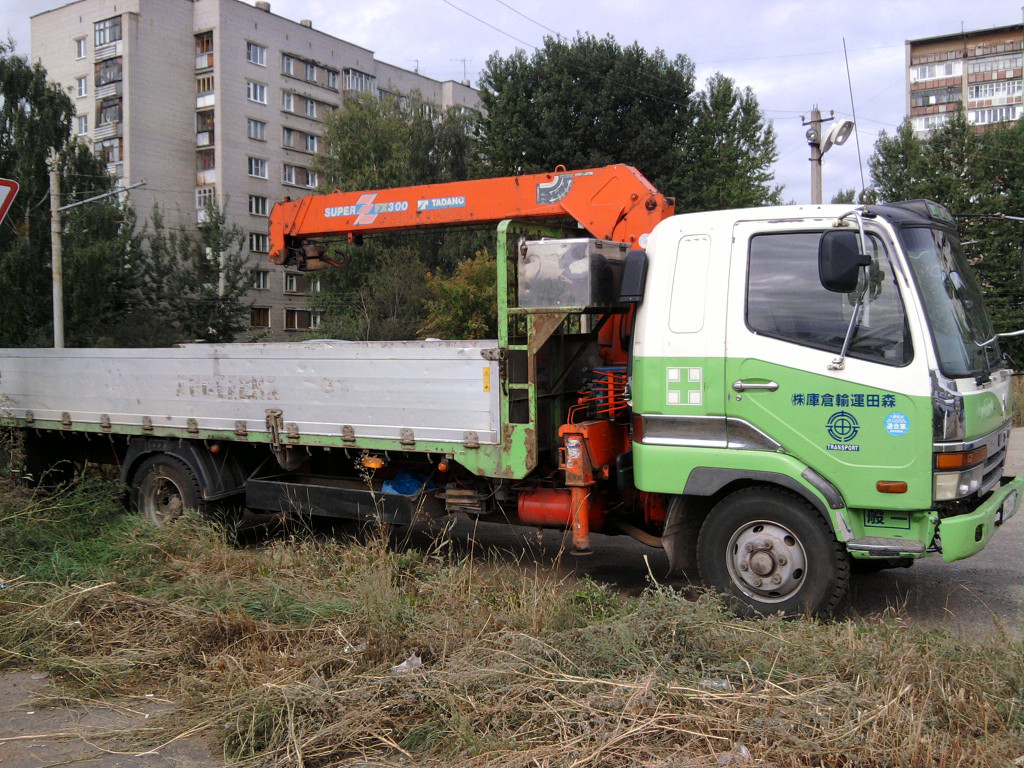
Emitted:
<point x="614" y="202"/>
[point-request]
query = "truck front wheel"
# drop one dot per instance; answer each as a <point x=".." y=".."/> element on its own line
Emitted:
<point x="163" y="488"/>
<point x="772" y="552"/>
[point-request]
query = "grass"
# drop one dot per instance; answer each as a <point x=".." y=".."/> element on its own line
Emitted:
<point x="283" y="653"/>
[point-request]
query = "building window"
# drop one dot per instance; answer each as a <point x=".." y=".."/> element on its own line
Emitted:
<point x="204" y="120"/>
<point x="291" y="282"/>
<point x="287" y="64"/>
<point x="258" y="242"/>
<point x="994" y="64"/>
<point x="109" y="112"/>
<point x="80" y="48"/>
<point x="205" y="197"/>
<point x="359" y="81"/>
<point x="332" y="79"/>
<point x="107" y="31"/>
<point x="924" y="123"/>
<point x="311" y="142"/>
<point x="82" y="125"/>
<point x="259" y="317"/>
<point x="936" y="71"/>
<point x="108" y="71"/>
<point x="261" y="280"/>
<point x="109" y="150"/>
<point x="287" y="101"/>
<point x="256" y="92"/>
<point x="287" y="137"/>
<point x="257" y="167"/>
<point x="310" y="108"/>
<point x="257" y="129"/>
<point x="257" y="205"/>
<point x="288" y="174"/>
<point x="82" y="86"/>
<point x="204" y="43"/>
<point x="204" y="85"/>
<point x="311" y="179"/>
<point x="205" y="160"/>
<point x="314" y="319"/>
<point x="297" y="319"/>
<point x="311" y="72"/>
<point x="998" y="89"/>
<point x="934" y="96"/>
<point x="993" y="115"/>
<point x="256" y="54"/>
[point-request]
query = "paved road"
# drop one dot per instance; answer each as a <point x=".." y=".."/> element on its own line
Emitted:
<point x="980" y="596"/>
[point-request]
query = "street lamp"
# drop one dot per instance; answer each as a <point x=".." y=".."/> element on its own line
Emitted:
<point x="837" y="134"/>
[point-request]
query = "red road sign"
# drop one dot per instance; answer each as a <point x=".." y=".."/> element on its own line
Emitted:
<point x="8" y="189"/>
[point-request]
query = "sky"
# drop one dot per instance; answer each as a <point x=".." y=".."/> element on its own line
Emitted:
<point x="789" y="52"/>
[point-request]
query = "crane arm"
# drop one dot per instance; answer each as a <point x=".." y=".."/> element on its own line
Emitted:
<point x="614" y="202"/>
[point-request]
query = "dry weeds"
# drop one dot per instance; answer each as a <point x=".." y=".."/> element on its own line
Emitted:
<point x="283" y="654"/>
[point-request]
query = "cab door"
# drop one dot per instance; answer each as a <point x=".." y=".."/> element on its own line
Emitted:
<point x="857" y="423"/>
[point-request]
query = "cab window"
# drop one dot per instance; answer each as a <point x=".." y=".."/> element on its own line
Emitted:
<point x="786" y="301"/>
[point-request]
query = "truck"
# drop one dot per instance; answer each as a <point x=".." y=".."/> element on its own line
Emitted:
<point x="773" y="395"/>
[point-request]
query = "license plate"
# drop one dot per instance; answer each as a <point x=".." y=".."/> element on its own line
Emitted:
<point x="1009" y="506"/>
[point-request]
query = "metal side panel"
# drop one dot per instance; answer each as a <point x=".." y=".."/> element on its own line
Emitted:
<point x="438" y="390"/>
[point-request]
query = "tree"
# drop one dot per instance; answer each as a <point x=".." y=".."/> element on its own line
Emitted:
<point x="189" y="287"/>
<point x="376" y="143"/>
<point x="463" y="305"/>
<point x="727" y="155"/>
<point x="35" y="126"/>
<point x="585" y="103"/>
<point x="972" y="175"/>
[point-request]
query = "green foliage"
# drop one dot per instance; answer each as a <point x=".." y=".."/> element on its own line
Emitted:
<point x="727" y="155"/>
<point x="969" y="173"/>
<point x="375" y="143"/>
<point x="585" y="103"/>
<point x="189" y="287"/>
<point x="591" y="102"/>
<point x="463" y="305"/>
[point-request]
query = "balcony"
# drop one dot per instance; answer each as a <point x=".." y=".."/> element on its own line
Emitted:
<point x="107" y="91"/>
<point x="204" y="61"/>
<point x="206" y="177"/>
<point x="107" y="51"/>
<point x="116" y="169"/>
<point x="107" y="131"/>
<point x="204" y="139"/>
<point x="205" y="100"/>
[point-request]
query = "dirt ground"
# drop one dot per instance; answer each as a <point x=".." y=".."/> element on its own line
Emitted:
<point x="37" y="731"/>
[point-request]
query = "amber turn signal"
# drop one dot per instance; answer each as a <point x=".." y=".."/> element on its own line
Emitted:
<point x="373" y="462"/>
<point x="960" y="459"/>
<point x="891" y="486"/>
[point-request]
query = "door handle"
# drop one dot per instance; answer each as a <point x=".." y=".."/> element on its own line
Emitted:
<point x="741" y="386"/>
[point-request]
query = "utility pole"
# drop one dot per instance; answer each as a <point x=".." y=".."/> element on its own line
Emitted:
<point x="814" y="140"/>
<point x="57" y="255"/>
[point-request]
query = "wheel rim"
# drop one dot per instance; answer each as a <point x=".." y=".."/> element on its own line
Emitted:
<point x="766" y="561"/>
<point x="162" y="500"/>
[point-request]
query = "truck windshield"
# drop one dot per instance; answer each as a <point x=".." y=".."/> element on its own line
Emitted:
<point x="960" y="326"/>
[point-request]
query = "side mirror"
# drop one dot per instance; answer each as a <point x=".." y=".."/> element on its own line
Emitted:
<point x="840" y="260"/>
<point x="634" y="277"/>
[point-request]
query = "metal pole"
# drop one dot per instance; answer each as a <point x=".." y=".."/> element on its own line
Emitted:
<point x="57" y="256"/>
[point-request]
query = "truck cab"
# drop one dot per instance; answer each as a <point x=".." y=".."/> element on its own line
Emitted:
<point x="799" y="424"/>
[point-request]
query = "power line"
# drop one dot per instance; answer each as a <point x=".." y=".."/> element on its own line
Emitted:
<point x="533" y="21"/>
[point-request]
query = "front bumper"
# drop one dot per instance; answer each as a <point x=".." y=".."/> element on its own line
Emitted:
<point x="965" y="535"/>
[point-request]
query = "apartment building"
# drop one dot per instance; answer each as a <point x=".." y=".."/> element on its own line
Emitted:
<point x="979" y="71"/>
<point x="216" y="100"/>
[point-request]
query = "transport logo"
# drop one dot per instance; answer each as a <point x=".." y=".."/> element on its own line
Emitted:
<point x="842" y="427"/>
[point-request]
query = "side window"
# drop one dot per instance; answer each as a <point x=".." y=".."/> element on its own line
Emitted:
<point x="785" y="300"/>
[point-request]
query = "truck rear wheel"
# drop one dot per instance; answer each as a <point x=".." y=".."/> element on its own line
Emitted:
<point x="163" y="488"/>
<point x="772" y="552"/>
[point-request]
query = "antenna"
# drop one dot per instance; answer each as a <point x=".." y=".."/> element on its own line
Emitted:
<point x="856" y="133"/>
<point x="463" y="66"/>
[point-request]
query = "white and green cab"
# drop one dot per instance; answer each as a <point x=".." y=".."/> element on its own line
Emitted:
<point x="817" y="387"/>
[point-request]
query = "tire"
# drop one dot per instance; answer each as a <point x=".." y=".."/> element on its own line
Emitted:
<point x="163" y="488"/>
<point x="771" y="552"/>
